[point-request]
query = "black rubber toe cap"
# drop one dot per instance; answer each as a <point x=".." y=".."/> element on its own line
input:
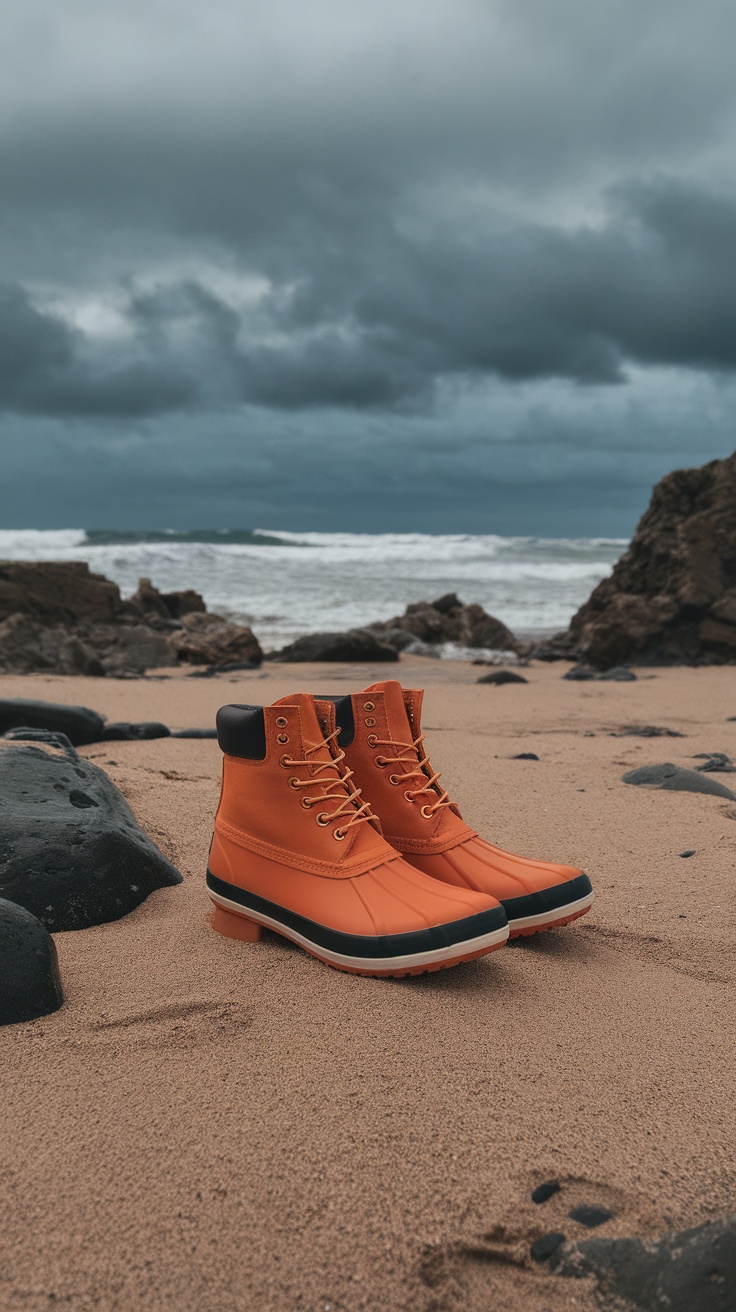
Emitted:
<point x="554" y="898"/>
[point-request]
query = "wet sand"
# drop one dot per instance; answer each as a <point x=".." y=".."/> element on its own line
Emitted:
<point x="207" y="1125"/>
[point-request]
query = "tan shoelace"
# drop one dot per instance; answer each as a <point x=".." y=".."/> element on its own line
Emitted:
<point x="416" y="771"/>
<point x="348" y="808"/>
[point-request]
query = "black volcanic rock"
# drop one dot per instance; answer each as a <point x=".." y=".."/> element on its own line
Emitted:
<point x="674" y="778"/>
<point x="79" y="723"/>
<point x="448" y="619"/>
<point x="29" y="970"/>
<point x="355" y="645"/>
<point x="71" y="852"/>
<point x="690" y="1271"/>
<point x="502" y="676"/>
<point x="122" y="731"/>
<point x="671" y="599"/>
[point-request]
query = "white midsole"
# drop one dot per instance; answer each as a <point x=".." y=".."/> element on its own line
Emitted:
<point x="463" y="948"/>
<point x="544" y="917"/>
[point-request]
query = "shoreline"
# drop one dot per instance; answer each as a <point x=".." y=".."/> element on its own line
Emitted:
<point x="209" y="1125"/>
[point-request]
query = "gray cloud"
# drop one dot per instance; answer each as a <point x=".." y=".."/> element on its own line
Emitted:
<point x="247" y="221"/>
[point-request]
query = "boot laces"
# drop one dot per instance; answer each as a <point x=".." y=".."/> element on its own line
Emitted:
<point x="347" y="795"/>
<point x="420" y="768"/>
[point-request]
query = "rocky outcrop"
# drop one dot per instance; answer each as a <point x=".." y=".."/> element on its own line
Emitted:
<point x="355" y="645"/>
<point x="59" y="617"/>
<point x="447" y="620"/>
<point x="213" y="640"/>
<point x="72" y="853"/>
<point x="29" y="970"/>
<point x="671" y="599"/>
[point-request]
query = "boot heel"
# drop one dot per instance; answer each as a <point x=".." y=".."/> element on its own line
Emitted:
<point x="234" y="926"/>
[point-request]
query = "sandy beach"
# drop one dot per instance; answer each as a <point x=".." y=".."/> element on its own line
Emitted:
<point x="209" y="1126"/>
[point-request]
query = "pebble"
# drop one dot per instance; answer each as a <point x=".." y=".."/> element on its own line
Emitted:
<point x="590" y="1217"/>
<point x="690" y="852"/>
<point x="546" y="1246"/>
<point x="545" y="1191"/>
<point x="525" y="756"/>
<point x="502" y="676"/>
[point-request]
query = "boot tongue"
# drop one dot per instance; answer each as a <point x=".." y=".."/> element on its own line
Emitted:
<point x="394" y="700"/>
<point x="317" y="720"/>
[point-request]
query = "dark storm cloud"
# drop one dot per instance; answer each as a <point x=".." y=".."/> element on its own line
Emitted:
<point x="445" y="225"/>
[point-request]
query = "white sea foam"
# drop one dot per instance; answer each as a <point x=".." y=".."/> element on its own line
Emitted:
<point x="288" y="583"/>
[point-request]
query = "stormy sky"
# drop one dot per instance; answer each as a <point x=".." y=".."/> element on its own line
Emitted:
<point x="420" y="264"/>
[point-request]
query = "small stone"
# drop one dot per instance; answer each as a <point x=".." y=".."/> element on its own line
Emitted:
<point x="122" y="731"/>
<point x="546" y="1246"/>
<point x="545" y="1191"/>
<point x="690" y="852"/>
<point x="716" y="763"/>
<point x="617" y="674"/>
<point x="525" y="756"/>
<point x="29" y="971"/>
<point x="580" y="673"/>
<point x="590" y="1217"/>
<point x="644" y="731"/>
<point x="676" y="779"/>
<point x="194" y="733"/>
<point x="502" y="676"/>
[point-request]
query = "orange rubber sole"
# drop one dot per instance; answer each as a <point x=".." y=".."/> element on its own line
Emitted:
<point x="553" y="924"/>
<point x="239" y="927"/>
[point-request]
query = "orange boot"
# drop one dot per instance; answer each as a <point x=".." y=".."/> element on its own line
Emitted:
<point x="381" y="735"/>
<point x="295" y="849"/>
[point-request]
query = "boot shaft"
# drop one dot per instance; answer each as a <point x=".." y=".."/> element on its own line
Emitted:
<point x="287" y="794"/>
<point x="381" y="735"/>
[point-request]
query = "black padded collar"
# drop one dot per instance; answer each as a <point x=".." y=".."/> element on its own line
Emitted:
<point x="241" y="731"/>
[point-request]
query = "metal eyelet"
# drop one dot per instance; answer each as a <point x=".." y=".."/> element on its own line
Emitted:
<point x="281" y="722"/>
<point x="409" y="796"/>
<point x="282" y="738"/>
<point x="307" y="804"/>
<point x="339" y="834"/>
<point x="381" y="762"/>
<point x="370" y="721"/>
<point x="372" y="739"/>
<point x="369" y="706"/>
<point x="285" y="761"/>
<point x="323" y="819"/>
<point x="394" y="779"/>
<point x="427" y="812"/>
<point x="294" y="782"/>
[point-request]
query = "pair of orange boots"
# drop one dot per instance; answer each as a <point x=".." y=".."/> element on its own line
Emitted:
<point x="394" y="885"/>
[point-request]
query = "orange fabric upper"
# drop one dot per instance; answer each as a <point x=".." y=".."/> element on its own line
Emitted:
<point x="436" y="841"/>
<point x="267" y="842"/>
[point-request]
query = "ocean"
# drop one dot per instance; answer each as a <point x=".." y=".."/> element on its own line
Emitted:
<point x="284" y="584"/>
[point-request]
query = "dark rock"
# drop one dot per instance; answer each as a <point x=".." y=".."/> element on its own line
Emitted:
<point x="717" y="763"/>
<point x="525" y="756"/>
<point x="72" y="853"/>
<point x="57" y="592"/>
<point x="29" y="970"/>
<point x="590" y="1217"/>
<point x="355" y="645"/>
<point x="79" y="723"/>
<point x="399" y="639"/>
<point x="212" y="640"/>
<point x="690" y="852"/>
<point x="166" y="605"/>
<point x="545" y="1191"/>
<point x="618" y="674"/>
<point x="644" y="731"/>
<point x="690" y="1271"/>
<point x="122" y="731"/>
<point x="502" y="676"/>
<point x="230" y="667"/>
<point x="546" y="1246"/>
<point x="449" y="620"/>
<point x="194" y="733"/>
<point x="580" y="673"/>
<point x="676" y="779"/>
<point x="27" y="647"/>
<point x="128" y="650"/>
<point x="671" y="599"/>
<point x="24" y="735"/>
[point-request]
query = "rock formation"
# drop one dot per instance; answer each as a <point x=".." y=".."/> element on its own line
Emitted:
<point x="671" y="599"/>
<point x="447" y="620"/>
<point x="72" y="853"/>
<point x="60" y="617"/>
